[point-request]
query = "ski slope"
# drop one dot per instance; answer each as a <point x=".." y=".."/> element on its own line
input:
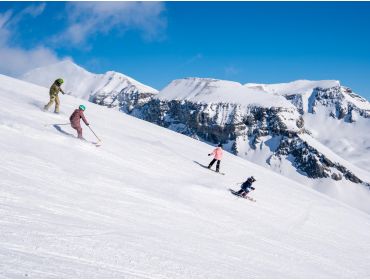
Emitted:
<point x="140" y="206"/>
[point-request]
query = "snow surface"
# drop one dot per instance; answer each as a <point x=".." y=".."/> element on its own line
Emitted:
<point x="295" y="87"/>
<point x="350" y="141"/>
<point x="82" y="83"/>
<point x="140" y="206"/>
<point x="205" y="90"/>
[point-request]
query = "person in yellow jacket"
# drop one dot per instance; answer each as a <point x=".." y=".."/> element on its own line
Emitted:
<point x="53" y="92"/>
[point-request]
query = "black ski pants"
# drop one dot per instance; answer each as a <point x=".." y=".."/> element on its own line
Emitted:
<point x="217" y="165"/>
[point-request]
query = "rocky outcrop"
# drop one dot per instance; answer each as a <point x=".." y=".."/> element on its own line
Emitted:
<point x="340" y="101"/>
<point x="219" y="123"/>
<point x="126" y="100"/>
<point x="310" y="161"/>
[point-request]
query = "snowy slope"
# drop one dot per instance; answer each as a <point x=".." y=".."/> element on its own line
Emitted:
<point x="141" y="206"/>
<point x="82" y="83"/>
<point x="299" y="86"/>
<point x="348" y="140"/>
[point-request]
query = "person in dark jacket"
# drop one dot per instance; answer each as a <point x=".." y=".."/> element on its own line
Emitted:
<point x="246" y="187"/>
<point x="75" y="120"/>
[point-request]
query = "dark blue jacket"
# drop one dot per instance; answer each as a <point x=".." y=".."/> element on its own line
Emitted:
<point x="247" y="184"/>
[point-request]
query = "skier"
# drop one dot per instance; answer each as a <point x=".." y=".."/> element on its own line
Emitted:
<point x="246" y="187"/>
<point x="75" y="120"/>
<point x="217" y="153"/>
<point x="53" y="92"/>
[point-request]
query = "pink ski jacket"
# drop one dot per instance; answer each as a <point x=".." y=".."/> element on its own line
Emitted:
<point x="75" y="118"/>
<point x="217" y="153"/>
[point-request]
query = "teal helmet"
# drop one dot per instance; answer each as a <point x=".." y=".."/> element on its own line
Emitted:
<point x="82" y="107"/>
<point x="60" y="81"/>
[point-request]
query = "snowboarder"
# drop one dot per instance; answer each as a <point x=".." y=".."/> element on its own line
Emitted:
<point x="75" y="120"/>
<point x="53" y="92"/>
<point x="217" y="153"/>
<point x="246" y="187"/>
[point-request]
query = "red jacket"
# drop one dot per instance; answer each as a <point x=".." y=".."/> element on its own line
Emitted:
<point x="76" y="116"/>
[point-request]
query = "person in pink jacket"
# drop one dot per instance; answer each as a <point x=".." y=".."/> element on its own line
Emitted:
<point x="75" y="120"/>
<point x="217" y="153"/>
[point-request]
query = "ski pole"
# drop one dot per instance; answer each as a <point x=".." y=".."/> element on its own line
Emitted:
<point x="94" y="133"/>
<point x="56" y="124"/>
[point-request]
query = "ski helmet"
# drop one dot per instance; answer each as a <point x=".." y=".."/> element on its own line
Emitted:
<point x="253" y="179"/>
<point x="82" y="107"/>
<point x="60" y="81"/>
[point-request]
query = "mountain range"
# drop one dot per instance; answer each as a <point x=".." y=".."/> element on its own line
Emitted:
<point x="314" y="132"/>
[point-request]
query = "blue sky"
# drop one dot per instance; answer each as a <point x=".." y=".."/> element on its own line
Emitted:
<point x="156" y="42"/>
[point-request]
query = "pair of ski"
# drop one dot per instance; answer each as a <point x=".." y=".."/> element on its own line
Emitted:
<point x="239" y="195"/>
<point x="57" y="126"/>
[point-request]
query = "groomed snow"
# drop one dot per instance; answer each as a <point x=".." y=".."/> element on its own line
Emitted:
<point x="141" y="207"/>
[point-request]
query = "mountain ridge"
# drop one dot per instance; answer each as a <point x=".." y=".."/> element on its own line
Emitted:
<point x="112" y="89"/>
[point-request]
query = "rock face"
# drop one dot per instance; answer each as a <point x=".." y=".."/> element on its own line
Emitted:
<point x="125" y="99"/>
<point x="229" y="123"/>
<point x="341" y="102"/>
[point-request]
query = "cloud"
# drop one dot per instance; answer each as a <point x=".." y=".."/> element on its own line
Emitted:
<point x="33" y="10"/>
<point x="84" y="20"/>
<point x="4" y="32"/>
<point x="193" y="59"/>
<point x="231" y="71"/>
<point x="89" y="18"/>
<point x="16" y="60"/>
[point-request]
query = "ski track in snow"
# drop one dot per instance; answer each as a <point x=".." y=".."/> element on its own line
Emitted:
<point x="140" y="207"/>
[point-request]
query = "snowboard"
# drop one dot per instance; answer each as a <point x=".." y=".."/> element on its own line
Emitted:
<point x="221" y="173"/>
<point x="238" y="195"/>
<point x="206" y="167"/>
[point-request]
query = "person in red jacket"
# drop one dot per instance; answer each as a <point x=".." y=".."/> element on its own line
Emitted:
<point x="75" y="120"/>
<point x="217" y="153"/>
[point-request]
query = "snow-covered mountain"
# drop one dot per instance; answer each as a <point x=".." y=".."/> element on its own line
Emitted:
<point x="111" y="89"/>
<point x="305" y="130"/>
<point x="141" y="206"/>
<point x="266" y="123"/>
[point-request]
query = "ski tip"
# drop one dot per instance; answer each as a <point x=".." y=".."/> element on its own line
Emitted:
<point x="98" y="144"/>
